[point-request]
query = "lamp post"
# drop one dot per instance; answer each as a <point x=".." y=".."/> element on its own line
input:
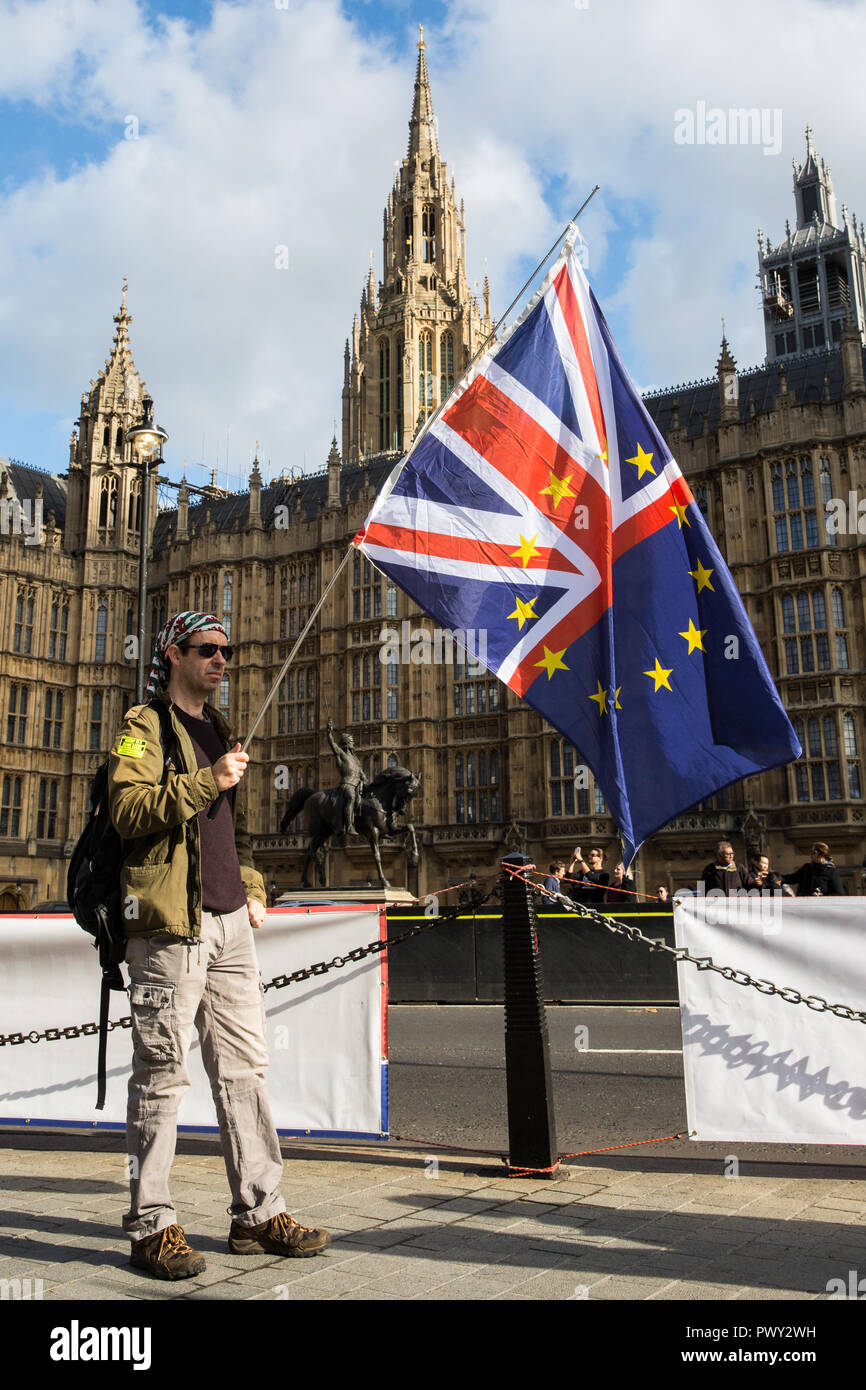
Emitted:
<point x="147" y="440"/>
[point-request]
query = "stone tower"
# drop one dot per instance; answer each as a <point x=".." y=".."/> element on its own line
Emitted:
<point x="816" y="278"/>
<point x="412" y="340"/>
<point x="104" y="509"/>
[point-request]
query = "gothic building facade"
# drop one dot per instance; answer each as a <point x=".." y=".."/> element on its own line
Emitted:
<point x="764" y="452"/>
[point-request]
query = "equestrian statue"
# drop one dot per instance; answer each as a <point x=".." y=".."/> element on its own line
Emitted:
<point x="355" y="807"/>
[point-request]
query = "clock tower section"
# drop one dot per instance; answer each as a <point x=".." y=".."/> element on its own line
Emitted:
<point x="420" y="327"/>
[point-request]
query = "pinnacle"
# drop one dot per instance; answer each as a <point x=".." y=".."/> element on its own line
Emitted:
<point x="422" y="124"/>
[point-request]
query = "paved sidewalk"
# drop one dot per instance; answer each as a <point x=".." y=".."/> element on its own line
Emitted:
<point x="406" y="1225"/>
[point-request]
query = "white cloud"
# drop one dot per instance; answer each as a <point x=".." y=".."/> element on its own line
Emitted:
<point x="275" y="127"/>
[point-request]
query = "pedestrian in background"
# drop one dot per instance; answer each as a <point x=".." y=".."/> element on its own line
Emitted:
<point x="723" y="875"/>
<point x="594" y="876"/>
<point x="819" y="877"/>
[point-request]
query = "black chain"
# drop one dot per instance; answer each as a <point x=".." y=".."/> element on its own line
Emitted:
<point x="375" y="947"/>
<point x="739" y="977"/>
<point x="278" y="982"/>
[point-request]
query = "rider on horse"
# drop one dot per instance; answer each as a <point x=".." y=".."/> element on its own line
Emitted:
<point x="351" y="778"/>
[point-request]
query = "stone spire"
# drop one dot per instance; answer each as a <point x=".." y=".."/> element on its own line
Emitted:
<point x="422" y="124"/>
<point x="813" y="189"/>
<point x="334" y="472"/>
<point x="421" y="324"/>
<point x="729" y="386"/>
<point x="255" y="482"/>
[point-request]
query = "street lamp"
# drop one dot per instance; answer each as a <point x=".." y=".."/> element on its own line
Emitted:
<point x="147" y="440"/>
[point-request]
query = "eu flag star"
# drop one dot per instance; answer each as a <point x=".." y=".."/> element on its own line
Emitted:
<point x="552" y="661"/>
<point x="694" y="637"/>
<point x="703" y="577"/>
<point x="526" y="552"/>
<point x="660" y="676"/>
<point x="558" y="488"/>
<point x="642" y="461"/>
<point x="523" y="612"/>
<point x="600" y="698"/>
<point x="679" y="512"/>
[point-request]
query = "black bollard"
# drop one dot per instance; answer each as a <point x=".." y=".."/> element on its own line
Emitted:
<point x="531" y="1123"/>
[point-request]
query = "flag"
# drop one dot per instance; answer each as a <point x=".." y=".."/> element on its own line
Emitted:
<point x="545" y="509"/>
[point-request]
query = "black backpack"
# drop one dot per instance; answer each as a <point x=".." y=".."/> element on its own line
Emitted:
<point x="93" y="887"/>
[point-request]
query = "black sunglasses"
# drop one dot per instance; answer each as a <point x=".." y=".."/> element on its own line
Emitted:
<point x="209" y="649"/>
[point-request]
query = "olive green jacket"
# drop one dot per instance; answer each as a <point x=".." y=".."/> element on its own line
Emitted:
<point x="157" y="819"/>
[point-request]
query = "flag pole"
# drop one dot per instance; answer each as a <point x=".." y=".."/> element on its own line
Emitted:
<point x="392" y="481"/>
<point x="215" y="805"/>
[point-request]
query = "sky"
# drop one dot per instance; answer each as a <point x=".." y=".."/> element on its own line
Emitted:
<point x="180" y="144"/>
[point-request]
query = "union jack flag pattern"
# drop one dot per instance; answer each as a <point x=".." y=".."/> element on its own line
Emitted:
<point x="544" y="508"/>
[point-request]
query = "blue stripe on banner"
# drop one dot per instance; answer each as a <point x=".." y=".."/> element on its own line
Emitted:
<point x="21" y="1122"/>
<point x="435" y="474"/>
<point x="384" y="1110"/>
<point x="531" y="356"/>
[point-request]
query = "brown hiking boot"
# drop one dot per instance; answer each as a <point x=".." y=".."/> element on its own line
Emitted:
<point x="167" y="1255"/>
<point x="282" y="1235"/>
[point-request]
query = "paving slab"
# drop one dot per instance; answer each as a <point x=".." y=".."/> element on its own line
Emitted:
<point x="469" y="1234"/>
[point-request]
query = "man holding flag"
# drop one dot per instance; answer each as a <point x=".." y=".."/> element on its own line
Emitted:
<point x="543" y="505"/>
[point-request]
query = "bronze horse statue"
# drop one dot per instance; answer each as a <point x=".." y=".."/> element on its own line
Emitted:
<point x="385" y="797"/>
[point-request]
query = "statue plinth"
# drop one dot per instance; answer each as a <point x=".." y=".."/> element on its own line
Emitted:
<point x="340" y="897"/>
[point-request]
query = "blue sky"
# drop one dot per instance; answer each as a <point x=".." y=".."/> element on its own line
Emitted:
<point x="261" y="124"/>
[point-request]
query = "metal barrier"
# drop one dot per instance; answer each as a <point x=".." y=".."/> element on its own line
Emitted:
<point x="461" y="962"/>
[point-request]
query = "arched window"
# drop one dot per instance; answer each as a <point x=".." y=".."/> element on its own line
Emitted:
<point x="476" y="787"/>
<point x="849" y="734"/>
<point x="838" y="608"/>
<point x="101" y="628"/>
<point x="384" y="394"/>
<point x="398" y="391"/>
<point x="446" y="365"/>
<point x="107" y="503"/>
<point x="425" y="374"/>
<point x="428" y="233"/>
<point x="133" y="516"/>
<point x="228" y="583"/>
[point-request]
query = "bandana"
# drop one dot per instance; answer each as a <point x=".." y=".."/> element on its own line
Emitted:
<point x="177" y="629"/>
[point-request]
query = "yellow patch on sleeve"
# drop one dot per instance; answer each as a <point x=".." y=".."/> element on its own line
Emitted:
<point x="132" y="747"/>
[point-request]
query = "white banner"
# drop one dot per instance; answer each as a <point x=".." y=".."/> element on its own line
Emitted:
<point x="759" y="1069"/>
<point x="326" y="1037"/>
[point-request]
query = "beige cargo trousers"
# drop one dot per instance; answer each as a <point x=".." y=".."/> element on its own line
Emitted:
<point x="214" y="987"/>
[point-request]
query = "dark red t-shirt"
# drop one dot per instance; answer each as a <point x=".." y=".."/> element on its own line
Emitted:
<point x="222" y="888"/>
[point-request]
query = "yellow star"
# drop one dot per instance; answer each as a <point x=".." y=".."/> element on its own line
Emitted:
<point x="523" y="612"/>
<point x="642" y="462"/>
<point x="616" y="703"/>
<point x="660" y="676"/>
<point x="600" y="698"/>
<point x="679" y="512"/>
<point x="603" y="455"/>
<point x="558" y="488"/>
<point x="703" y="577"/>
<point x="552" y="661"/>
<point x="694" y="636"/>
<point x="526" y="551"/>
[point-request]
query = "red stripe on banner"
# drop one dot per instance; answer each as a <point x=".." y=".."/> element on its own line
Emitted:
<point x="651" y="518"/>
<point x="574" y="323"/>
<point x="476" y="552"/>
<point x="519" y="448"/>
